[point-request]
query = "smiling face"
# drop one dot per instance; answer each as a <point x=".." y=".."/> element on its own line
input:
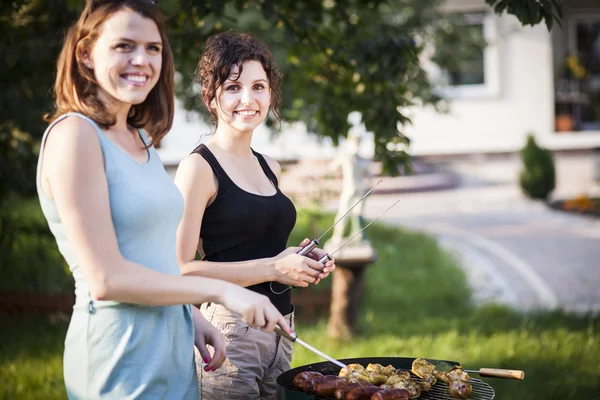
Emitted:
<point x="242" y="101"/>
<point x="126" y="58"/>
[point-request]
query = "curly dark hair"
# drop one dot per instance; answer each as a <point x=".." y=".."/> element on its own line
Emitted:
<point x="226" y="50"/>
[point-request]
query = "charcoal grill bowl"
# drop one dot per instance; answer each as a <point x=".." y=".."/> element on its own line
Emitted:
<point x="285" y="381"/>
<point x="287" y="391"/>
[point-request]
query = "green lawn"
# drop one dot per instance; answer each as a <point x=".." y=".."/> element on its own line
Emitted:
<point x="416" y="304"/>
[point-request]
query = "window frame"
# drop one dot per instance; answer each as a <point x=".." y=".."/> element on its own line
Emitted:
<point x="491" y="66"/>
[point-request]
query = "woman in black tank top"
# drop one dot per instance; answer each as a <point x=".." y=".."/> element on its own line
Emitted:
<point x="237" y="217"/>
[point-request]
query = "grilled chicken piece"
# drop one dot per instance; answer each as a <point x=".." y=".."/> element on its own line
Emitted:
<point x="460" y="389"/>
<point x="425" y="386"/>
<point x="355" y="373"/>
<point x="424" y="370"/>
<point x="352" y="368"/>
<point x="381" y="370"/>
<point x="413" y="389"/>
<point x="458" y="382"/>
<point x="379" y="374"/>
<point x="457" y="373"/>
<point x="403" y="380"/>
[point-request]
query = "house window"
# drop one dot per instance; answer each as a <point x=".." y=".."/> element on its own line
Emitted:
<point x="587" y="48"/>
<point x="577" y="85"/>
<point x="469" y="69"/>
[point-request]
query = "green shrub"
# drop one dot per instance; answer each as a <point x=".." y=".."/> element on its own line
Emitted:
<point x="29" y="257"/>
<point x="538" y="176"/>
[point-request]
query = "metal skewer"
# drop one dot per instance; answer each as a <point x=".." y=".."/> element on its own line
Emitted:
<point x="327" y="257"/>
<point x="315" y="242"/>
<point x="294" y="338"/>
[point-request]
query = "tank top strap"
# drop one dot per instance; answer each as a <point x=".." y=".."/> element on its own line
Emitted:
<point x="220" y="174"/>
<point x="102" y="138"/>
<point x="266" y="169"/>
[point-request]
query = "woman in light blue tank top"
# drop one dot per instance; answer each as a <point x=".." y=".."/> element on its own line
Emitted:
<point x="114" y="212"/>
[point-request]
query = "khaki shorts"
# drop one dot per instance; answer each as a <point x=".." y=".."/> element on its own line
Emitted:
<point x="254" y="359"/>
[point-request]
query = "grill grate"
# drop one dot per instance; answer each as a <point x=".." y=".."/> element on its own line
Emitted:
<point x="287" y="391"/>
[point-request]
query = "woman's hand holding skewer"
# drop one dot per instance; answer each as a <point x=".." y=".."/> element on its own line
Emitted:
<point x="296" y="270"/>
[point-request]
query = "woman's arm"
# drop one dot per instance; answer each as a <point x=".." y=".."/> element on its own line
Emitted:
<point x="196" y="182"/>
<point x="73" y="175"/>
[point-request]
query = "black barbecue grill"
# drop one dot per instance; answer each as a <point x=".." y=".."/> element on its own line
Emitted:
<point x="287" y="391"/>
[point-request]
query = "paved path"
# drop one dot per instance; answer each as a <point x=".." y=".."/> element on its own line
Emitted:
<point x="514" y="251"/>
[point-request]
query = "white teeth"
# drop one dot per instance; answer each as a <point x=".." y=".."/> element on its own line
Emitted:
<point x="136" y="78"/>
<point x="246" y="113"/>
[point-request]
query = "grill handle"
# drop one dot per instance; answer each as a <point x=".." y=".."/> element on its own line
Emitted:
<point x="500" y="373"/>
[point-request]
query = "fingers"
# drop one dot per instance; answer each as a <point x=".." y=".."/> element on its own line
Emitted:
<point x="315" y="265"/>
<point x="219" y="355"/>
<point x="283" y="324"/>
<point x="248" y="316"/>
<point x="272" y="316"/>
<point x="317" y="253"/>
<point x="260" y="319"/>
<point x="201" y="346"/>
<point x="329" y="267"/>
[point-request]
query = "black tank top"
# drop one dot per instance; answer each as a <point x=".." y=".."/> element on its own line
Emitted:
<point x="240" y="226"/>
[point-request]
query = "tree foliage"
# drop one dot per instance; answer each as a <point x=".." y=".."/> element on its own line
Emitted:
<point x="531" y="12"/>
<point x="337" y="56"/>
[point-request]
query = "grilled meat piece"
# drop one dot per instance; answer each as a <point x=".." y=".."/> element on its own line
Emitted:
<point x="381" y="370"/>
<point x="301" y="379"/>
<point x="355" y="373"/>
<point x="425" y="386"/>
<point x="391" y="394"/>
<point x="424" y="370"/>
<point x="458" y="382"/>
<point x="413" y="389"/>
<point x="378" y="374"/>
<point x="456" y="373"/>
<point x="342" y="391"/>
<point x="325" y="385"/>
<point x="351" y="370"/>
<point x="377" y="379"/>
<point x="362" y="393"/>
<point x="460" y="389"/>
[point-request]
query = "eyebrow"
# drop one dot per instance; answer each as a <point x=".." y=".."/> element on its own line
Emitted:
<point x="123" y="39"/>
<point x="256" y="81"/>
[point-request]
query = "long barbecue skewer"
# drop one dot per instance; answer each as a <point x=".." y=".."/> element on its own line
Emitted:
<point x="315" y="242"/>
<point x="327" y="257"/>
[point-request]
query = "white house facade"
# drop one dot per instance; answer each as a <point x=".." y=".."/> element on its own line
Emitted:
<point x="521" y="83"/>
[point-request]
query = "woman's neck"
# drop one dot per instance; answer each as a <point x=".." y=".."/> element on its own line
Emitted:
<point x="234" y="142"/>
<point x="119" y="109"/>
<point x="121" y="115"/>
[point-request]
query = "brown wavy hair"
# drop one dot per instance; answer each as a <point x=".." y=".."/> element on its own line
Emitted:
<point x="76" y="89"/>
<point x="225" y="50"/>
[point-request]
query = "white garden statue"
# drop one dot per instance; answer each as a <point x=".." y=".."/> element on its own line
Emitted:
<point x="355" y="182"/>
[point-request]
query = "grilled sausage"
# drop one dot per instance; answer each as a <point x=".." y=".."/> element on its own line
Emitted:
<point x="342" y="391"/>
<point x="326" y="385"/>
<point x="301" y="379"/>
<point x="362" y="393"/>
<point x="391" y="394"/>
<point x="312" y="384"/>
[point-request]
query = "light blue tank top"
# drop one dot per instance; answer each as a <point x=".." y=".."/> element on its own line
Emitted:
<point x="125" y="351"/>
